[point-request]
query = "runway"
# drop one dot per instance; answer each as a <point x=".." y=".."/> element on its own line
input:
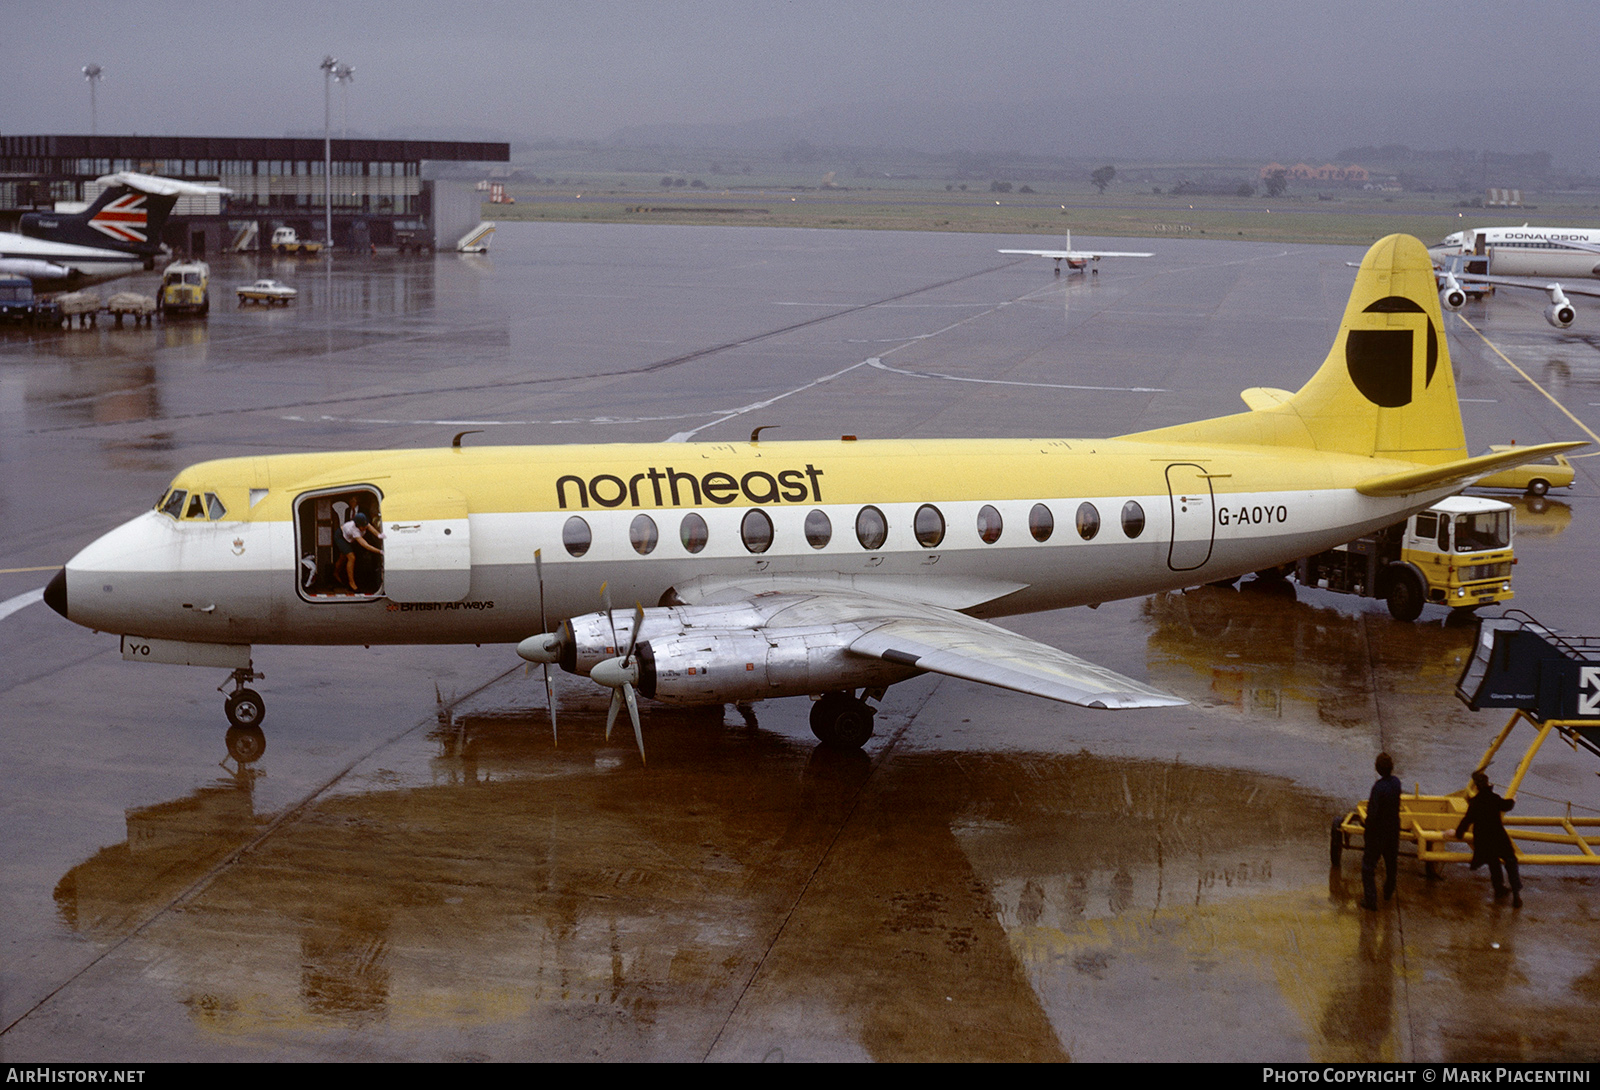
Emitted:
<point x="414" y="871"/>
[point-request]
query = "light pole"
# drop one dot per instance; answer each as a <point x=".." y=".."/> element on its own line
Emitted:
<point x="344" y="75"/>
<point x="328" y="65"/>
<point x="92" y="73"/>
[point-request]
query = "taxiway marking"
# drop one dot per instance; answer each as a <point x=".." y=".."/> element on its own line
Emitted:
<point x="20" y="601"/>
<point x="1530" y="380"/>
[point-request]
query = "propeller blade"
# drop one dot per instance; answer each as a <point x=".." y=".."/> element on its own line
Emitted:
<point x="550" y="702"/>
<point x="633" y="713"/>
<point x="633" y="637"/>
<point x="544" y="626"/>
<point x="611" y="713"/>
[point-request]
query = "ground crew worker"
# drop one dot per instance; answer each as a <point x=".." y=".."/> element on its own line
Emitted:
<point x="1490" y="842"/>
<point x="1382" y="834"/>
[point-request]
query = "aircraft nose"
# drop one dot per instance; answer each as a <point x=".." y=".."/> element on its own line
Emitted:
<point x="55" y="592"/>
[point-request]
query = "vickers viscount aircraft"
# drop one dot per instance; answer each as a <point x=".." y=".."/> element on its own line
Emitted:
<point x="829" y="569"/>
<point x="117" y="235"/>
<point x="1077" y="260"/>
<point x="1496" y="257"/>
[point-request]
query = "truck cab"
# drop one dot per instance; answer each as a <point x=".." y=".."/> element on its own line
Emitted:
<point x="185" y="288"/>
<point x="1458" y="554"/>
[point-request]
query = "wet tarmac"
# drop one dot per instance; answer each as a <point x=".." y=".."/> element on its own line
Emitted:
<point x="414" y="871"/>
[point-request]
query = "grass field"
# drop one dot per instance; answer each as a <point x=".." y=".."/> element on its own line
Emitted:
<point x="1351" y="217"/>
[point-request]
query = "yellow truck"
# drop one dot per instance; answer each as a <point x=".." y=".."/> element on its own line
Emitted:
<point x="1457" y="554"/>
<point x="286" y="240"/>
<point x="185" y="289"/>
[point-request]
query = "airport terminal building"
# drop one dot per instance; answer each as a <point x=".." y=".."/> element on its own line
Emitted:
<point x="380" y="194"/>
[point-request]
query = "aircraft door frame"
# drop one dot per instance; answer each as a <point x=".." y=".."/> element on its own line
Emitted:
<point x="1194" y="516"/>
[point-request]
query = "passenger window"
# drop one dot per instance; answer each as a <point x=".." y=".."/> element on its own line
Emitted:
<point x="642" y="535"/>
<point x="196" y="508"/>
<point x="693" y="533"/>
<point x="1041" y="523"/>
<point x="214" y="508"/>
<point x="1088" y="521"/>
<point x="756" y="531"/>
<point x="928" y="526"/>
<point x="989" y="525"/>
<point x="174" y="505"/>
<point x="1132" y="519"/>
<point x="872" y="529"/>
<point x="576" y="537"/>
<point x="819" y="529"/>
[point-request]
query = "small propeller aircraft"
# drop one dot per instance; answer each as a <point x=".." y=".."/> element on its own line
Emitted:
<point x="1077" y="260"/>
<point x="772" y="569"/>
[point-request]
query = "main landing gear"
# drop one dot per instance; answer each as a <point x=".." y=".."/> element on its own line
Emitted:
<point x="245" y="710"/>
<point x="841" y="721"/>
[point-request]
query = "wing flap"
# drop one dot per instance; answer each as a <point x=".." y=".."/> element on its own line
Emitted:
<point x="978" y="651"/>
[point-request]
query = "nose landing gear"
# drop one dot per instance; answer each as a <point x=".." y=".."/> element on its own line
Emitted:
<point x="245" y="710"/>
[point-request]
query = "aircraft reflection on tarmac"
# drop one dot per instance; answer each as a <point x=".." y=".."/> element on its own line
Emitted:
<point x="972" y="906"/>
<point x="1260" y="650"/>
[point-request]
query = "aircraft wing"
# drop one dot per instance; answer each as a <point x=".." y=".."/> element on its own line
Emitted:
<point x="1075" y="255"/>
<point x="162" y="187"/>
<point x="967" y="648"/>
<point x="915" y="623"/>
<point x="1534" y="284"/>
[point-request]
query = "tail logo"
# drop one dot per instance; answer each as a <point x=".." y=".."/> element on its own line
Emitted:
<point x="1380" y="360"/>
<point x="123" y="219"/>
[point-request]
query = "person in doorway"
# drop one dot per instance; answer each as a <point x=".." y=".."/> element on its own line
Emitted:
<point x="352" y="535"/>
<point x="1382" y="834"/>
<point x="1491" y="843"/>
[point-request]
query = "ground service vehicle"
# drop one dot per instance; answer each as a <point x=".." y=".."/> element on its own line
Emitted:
<point x="285" y="240"/>
<point x="1535" y="478"/>
<point x="1457" y="553"/>
<point x="185" y="288"/>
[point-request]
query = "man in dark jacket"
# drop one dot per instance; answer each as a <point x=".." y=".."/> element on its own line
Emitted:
<point x="1381" y="835"/>
<point x="1490" y="842"/>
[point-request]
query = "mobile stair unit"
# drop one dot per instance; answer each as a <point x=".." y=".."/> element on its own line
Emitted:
<point x="1552" y="683"/>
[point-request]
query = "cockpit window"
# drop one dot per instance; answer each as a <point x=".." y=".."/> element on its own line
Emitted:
<point x="214" y="508"/>
<point x="196" y="509"/>
<point x="173" y="507"/>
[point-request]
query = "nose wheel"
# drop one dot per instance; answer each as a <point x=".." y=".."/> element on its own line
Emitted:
<point x="245" y="710"/>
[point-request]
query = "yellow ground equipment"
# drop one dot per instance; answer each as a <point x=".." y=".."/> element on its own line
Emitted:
<point x="1553" y="684"/>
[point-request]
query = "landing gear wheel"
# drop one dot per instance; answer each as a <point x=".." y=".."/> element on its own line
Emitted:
<point x="1538" y="486"/>
<point x="245" y="709"/>
<point x="1405" y="596"/>
<point x="246" y="744"/>
<point x="841" y="722"/>
<point x="1336" y="843"/>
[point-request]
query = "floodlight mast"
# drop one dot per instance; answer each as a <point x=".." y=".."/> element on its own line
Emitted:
<point x="328" y="66"/>
<point x="93" y="73"/>
<point x="344" y="75"/>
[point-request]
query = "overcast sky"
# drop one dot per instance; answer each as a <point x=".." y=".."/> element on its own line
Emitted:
<point x="1117" y="77"/>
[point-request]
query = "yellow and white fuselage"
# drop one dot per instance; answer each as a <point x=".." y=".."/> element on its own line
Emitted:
<point x="792" y="567"/>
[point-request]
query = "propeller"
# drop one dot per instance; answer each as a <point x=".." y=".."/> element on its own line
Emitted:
<point x="544" y="648"/>
<point x="621" y="675"/>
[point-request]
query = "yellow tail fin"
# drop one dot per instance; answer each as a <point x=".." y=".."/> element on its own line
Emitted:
<point x="1385" y="390"/>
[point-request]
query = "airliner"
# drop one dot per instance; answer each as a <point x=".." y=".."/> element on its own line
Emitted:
<point x="1492" y="256"/>
<point x="759" y="569"/>
<point x="117" y="235"/>
<point x="1077" y="260"/>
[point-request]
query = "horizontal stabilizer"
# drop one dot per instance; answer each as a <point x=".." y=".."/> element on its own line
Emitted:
<point x="1463" y="472"/>
<point x="162" y="187"/>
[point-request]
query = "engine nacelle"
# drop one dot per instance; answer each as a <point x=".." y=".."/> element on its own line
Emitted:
<point x="1451" y="296"/>
<point x="1560" y="312"/>
<point x="589" y="639"/>
<point x="712" y="666"/>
